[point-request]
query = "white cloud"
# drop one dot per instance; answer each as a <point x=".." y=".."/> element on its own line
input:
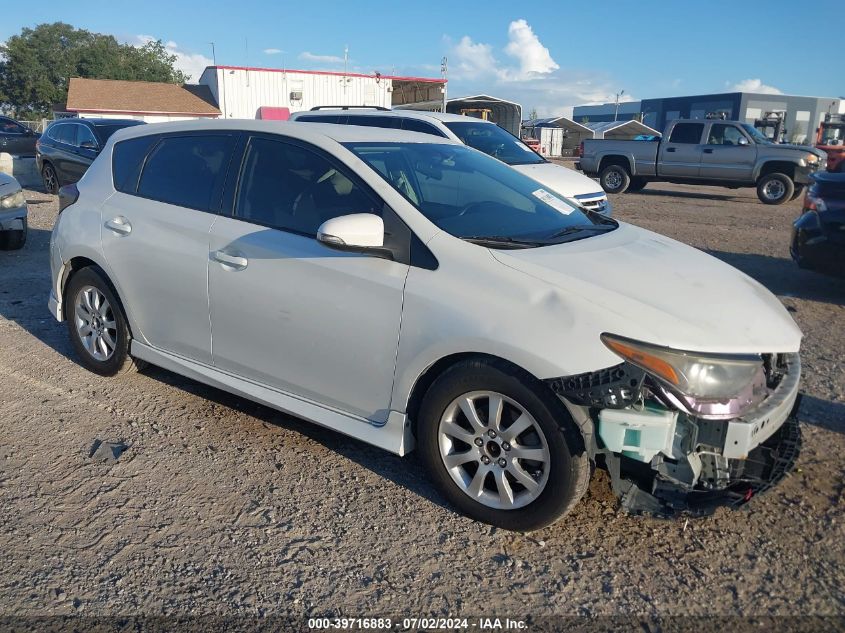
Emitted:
<point x="525" y="46"/>
<point x="273" y="51"/>
<point x="529" y="75"/>
<point x="755" y="85"/>
<point x="192" y="64"/>
<point x="320" y="59"/>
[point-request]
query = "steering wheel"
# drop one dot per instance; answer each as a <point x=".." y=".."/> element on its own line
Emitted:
<point x="473" y="207"/>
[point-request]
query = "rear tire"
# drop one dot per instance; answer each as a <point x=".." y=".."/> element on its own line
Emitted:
<point x="97" y="324"/>
<point x="50" y="178"/>
<point x="615" y="179"/>
<point x="775" y="188"/>
<point x="529" y="421"/>
<point x="14" y="240"/>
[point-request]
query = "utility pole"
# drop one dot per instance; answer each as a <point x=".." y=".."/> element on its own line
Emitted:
<point x="213" y="54"/>
<point x="616" y="111"/>
<point x="444" y="72"/>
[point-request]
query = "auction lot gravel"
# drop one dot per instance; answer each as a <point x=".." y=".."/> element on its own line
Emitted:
<point x="222" y="507"/>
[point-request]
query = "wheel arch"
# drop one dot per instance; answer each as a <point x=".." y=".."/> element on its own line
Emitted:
<point x="776" y="167"/>
<point x="616" y="159"/>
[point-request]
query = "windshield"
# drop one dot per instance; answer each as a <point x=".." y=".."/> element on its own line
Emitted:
<point x="756" y="134"/>
<point x="493" y="140"/>
<point x="832" y="134"/>
<point x="476" y="198"/>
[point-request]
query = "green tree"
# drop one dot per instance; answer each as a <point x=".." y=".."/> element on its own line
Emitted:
<point x="36" y="64"/>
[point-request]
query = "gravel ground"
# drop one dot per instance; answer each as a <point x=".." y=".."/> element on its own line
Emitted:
<point x="221" y="507"/>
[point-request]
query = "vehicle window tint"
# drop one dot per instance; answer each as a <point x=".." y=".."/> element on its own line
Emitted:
<point x="7" y="126"/>
<point x="127" y="159"/>
<point x="724" y="135"/>
<point x="84" y="134"/>
<point x="65" y="133"/>
<point x="375" y="121"/>
<point x="415" y="125"/>
<point x="187" y="170"/>
<point x="105" y="131"/>
<point x="688" y="133"/>
<point x="322" y="118"/>
<point x="292" y="188"/>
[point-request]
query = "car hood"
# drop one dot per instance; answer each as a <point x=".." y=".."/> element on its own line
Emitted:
<point x="804" y="148"/>
<point x="566" y="182"/>
<point x="651" y="288"/>
<point x="8" y="182"/>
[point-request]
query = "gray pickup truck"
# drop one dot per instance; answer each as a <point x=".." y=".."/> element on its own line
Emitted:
<point x="705" y="152"/>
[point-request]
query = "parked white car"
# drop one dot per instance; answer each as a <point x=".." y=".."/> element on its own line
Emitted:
<point x="485" y="136"/>
<point x="409" y="291"/>
<point x="13" y="214"/>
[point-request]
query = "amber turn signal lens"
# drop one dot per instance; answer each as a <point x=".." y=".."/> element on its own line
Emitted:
<point x="648" y="362"/>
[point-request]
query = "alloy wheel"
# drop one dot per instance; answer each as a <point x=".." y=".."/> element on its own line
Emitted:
<point x="51" y="182"/>
<point x="95" y="323"/>
<point x="494" y="450"/>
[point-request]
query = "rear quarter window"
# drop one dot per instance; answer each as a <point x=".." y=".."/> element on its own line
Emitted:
<point x="127" y="160"/>
<point x="187" y="171"/>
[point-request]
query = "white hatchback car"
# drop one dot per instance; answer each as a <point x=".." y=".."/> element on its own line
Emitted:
<point x="484" y="136"/>
<point x="411" y="291"/>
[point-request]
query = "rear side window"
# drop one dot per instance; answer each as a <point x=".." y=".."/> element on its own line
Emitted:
<point x="65" y="133"/>
<point x="375" y="121"/>
<point x="415" y="125"/>
<point x="127" y="159"/>
<point x="292" y="188"/>
<point x="187" y="171"/>
<point x="687" y="133"/>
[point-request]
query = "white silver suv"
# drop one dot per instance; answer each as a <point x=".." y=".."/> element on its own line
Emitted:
<point x="485" y="136"/>
<point x="409" y="291"/>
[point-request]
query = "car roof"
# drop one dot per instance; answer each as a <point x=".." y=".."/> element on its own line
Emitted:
<point x="423" y="115"/>
<point x="97" y="122"/>
<point x="303" y="130"/>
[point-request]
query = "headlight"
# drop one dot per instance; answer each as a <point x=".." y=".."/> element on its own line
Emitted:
<point x="13" y="200"/>
<point x="710" y="377"/>
<point x="811" y="159"/>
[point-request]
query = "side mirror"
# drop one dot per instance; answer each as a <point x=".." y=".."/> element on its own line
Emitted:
<point x="88" y="145"/>
<point x="28" y="131"/>
<point x="742" y="141"/>
<point x="358" y="232"/>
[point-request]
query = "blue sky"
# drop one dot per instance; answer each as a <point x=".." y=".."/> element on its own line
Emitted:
<point x="545" y="54"/>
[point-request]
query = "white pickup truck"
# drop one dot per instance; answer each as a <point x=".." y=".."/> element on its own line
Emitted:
<point x="706" y="152"/>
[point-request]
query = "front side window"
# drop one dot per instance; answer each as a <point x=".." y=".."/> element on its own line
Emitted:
<point x="106" y="130"/>
<point x="289" y="187"/>
<point x="187" y="171"/>
<point x="724" y="135"/>
<point x="687" y="133"/>
<point x="493" y="140"/>
<point x="85" y="135"/>
<point x="7" y="126"/>
<point x="477" y="198"/>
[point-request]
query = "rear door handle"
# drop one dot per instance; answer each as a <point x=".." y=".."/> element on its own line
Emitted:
<point x="708" y="151"/>
<point x="119" y="225"/>
<point x="230" y="262"/>
<point x="670" y="149"/>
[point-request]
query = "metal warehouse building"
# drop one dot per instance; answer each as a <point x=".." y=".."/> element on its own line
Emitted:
<point x="559" y="136"/>
<point x="801" y="115"/>
<point x="272" y="93"/>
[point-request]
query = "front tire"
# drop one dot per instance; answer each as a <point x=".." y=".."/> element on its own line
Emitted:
<point x="97" y="325"/>
<point x="14" y="240"/>
<point x="775" y="188"/>
<point x="615" y="179"/>
<point x="501" y="447"/>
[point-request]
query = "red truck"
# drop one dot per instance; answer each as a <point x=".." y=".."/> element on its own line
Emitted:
<point x="831" y="139"/>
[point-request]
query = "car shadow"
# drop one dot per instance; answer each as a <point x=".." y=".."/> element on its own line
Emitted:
<point x="784" y="278"/>
<point x="648" y="191"/>
<point x="822" y="413"/>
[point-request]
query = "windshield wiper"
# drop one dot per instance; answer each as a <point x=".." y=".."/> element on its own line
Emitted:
<point x="502" y="241"/>
<point x="601" y="228"/>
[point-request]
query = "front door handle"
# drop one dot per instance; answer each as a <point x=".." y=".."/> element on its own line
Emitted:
<point x="119" y="225"/>
<point x="230" y="262"/>
<point x="670" y="149"/>
<point x="708" y="151"/>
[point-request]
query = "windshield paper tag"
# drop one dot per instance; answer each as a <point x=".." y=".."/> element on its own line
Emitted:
<point x="553" y="201"/>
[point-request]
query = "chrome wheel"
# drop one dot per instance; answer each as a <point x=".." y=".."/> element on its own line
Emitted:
<point x="95" y="323"/>
<point x="494" y="450"/>
<point x="613" y="180"/>
<point x="774" y="190"/>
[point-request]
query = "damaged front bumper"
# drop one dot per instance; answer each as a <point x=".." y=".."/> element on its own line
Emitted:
<point x="666" y="461"/>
